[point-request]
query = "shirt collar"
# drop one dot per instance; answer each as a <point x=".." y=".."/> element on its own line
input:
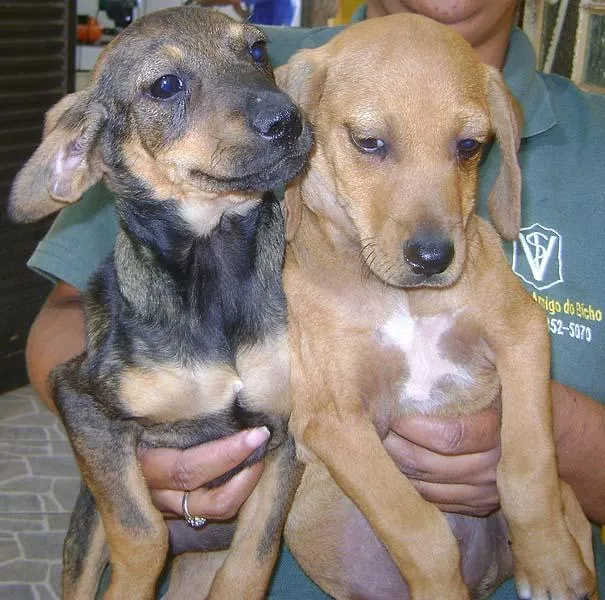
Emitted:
<point x="527" y="86"/>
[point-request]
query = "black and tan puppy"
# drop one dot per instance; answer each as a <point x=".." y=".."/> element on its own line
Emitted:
<point x="186" y="321"/>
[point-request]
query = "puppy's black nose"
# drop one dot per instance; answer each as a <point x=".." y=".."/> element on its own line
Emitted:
<point x="428" y="256"/>
<point x="275" y="118"/>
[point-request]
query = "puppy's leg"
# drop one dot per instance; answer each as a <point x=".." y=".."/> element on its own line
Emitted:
<point x="84" y="551"/>
<point x="415" y="533"/>
<point x="548" y="560"/>
<point x="249" y="564"/>
<point x="137" y="537"/>
<point x="192" y="574"/>
<point x="578" y="526"/>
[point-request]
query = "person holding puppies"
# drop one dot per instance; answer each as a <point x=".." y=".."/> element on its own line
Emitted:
<point x="451" y="462"/>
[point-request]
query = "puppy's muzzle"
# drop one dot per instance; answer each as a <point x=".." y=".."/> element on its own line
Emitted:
<point x="428" y="255"/>
<point x="275" y="118"/>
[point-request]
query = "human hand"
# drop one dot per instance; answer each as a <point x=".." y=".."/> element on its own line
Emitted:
<point x="170" y="472"/>
<point x="451" y="461"/>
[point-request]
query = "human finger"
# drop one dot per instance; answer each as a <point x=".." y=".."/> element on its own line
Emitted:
<point x="466" y="434"/>
<point x="220" y="503"/>
<point x="174" y="469"/>
<point x="420" y="463"/>
<point x="478" y="501"/>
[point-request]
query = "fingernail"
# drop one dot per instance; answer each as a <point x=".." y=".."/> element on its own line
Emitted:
<point x="256" y="437"/>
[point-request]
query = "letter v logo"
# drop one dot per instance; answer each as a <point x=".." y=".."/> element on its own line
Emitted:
<point x="537" y="256"/>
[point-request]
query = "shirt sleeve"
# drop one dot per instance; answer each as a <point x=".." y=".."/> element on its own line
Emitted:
<point x="283" y="42"/>
<point x="80" y="238"/>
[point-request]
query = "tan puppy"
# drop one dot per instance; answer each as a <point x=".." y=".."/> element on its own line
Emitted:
<point x="401" y="301"/>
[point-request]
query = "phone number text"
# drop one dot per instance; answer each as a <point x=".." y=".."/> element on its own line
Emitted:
<point x="573" y="330"/>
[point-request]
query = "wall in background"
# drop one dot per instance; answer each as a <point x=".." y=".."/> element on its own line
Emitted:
<point x="36" y="68"/>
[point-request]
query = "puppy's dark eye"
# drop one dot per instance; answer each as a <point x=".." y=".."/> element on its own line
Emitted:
<point x="467" y="148"/>
<point x="166" y="87"/>
<point x="369" y="145"/>
<point x="258" y="51"/>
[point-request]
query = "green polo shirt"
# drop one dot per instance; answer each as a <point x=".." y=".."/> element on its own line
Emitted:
<point x="558" y="256"/>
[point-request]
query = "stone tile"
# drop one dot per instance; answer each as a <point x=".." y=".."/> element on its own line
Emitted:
<point x="29" y="483"/>
<point x="58" y="521"/>
<point x="16" y="406"/>
<point x="31" y="446"/>
<point x="19" y="503"/>
<point x="58" y="466"/>
<point x="43" y="419"/>
<point x="55" y="578"/>
<point x="44" y="593"/>
<point x="66" y="491"/>
<point x="61" y="448"/>
<point x="45" y="546"/>
<point x="16" y="450"/>
<point x="56" y="433"/>
<point x="31" y="540"/>
<point x="12" y="468"/>
<point x="50" y="505"/>
<point x="9" y="550"/>
<point x="23" y="522"/>
<point x="39" y="482"/>
<point x="6" y="456"/>
<point x="30" y="571"/>
<point x="26" y="391"/>
<point x="22" y="434"/>
<point x="16" y="592"/>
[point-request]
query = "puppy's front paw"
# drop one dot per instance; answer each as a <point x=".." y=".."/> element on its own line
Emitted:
<point x="551" y="567"/>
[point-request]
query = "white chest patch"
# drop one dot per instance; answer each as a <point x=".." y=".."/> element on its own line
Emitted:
<point x="419" y="338"/>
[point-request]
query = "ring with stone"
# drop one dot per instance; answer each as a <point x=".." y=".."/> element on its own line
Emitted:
<point x="191" y="520"/>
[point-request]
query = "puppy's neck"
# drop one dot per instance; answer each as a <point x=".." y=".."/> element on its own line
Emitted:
<point x="172" y="229"/>
<point x="163" y="265"/>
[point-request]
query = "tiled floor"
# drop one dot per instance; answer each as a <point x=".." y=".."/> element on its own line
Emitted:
<point x="38" y="486"/>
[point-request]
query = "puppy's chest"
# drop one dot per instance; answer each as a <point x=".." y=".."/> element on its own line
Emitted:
<point x="257" y="379"/>
<point x="447" y="367"/>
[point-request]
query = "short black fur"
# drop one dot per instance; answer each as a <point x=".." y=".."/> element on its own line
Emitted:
<point x="226" y="285"/>
<point x="191" y="295"/>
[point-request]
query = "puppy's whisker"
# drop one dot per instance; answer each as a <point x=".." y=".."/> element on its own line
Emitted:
<point x="369" y="257"/>
<point x="217" y="155"/>
<point x="367" y="243"/>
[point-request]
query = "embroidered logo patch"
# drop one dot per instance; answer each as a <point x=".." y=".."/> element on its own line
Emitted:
<point x="537" y="256"/>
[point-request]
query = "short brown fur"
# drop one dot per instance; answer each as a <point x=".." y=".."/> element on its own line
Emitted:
<point x="360" y="300"/>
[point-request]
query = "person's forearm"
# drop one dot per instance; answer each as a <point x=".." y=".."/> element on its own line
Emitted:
<point x="580" y="440"/>
<point x="56" y="335"/>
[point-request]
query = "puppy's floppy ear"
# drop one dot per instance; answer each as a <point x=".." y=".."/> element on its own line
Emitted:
<point x="302" y="78"/>
<point x="507" y="120"/>
<point x="66" y="163"/>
